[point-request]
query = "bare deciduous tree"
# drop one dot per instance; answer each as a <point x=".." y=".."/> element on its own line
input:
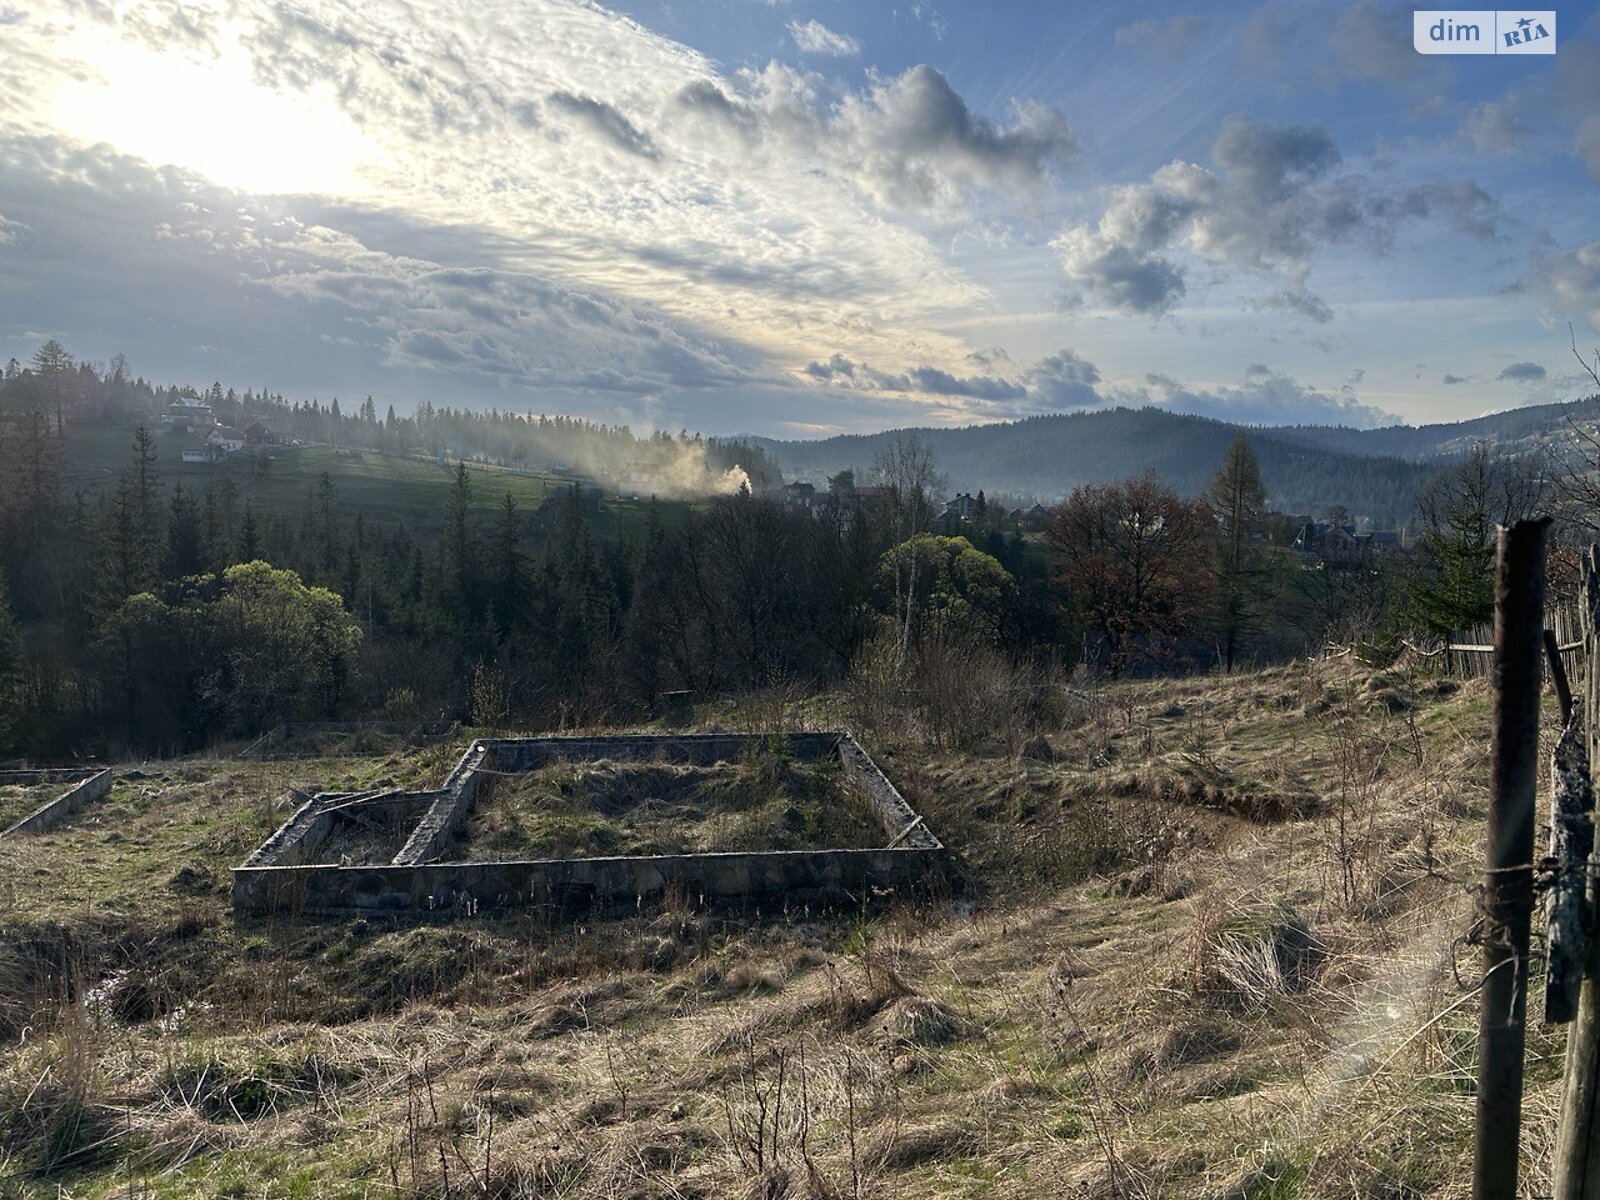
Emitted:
<point x="1135" y="560"/>
<point x="1577" y="475"/>
<point x="905" y="465"/>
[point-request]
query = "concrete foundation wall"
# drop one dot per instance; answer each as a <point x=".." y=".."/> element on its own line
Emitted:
<point x="283" y="876"/>
<point x="899" y="818"/>
<point x="449" y="808"/>
<point x="50" y="815"/>
<point x="572" y="885"/>
<point x="300" y="839"/>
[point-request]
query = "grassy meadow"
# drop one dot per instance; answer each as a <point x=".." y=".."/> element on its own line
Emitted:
<point x="1199" y="945"/>
<point x="388" y="490"/>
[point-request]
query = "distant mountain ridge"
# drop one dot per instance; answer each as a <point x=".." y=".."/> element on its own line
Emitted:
<point x="1536" y="427"/>
<point x="1306" y="469"/>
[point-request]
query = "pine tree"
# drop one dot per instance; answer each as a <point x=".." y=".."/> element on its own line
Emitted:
<point x="510" y="574"/>
<point x="53" y="365"/>
<point x="325" y="525"/>
<point x="185" y="554"/>
<point x="1237" y="499"/>
<point x="145" y="480"/>
<point x="457" y="565"/>
<point x="10" y="668"/>
<point x="132" y="529"/>
<point x="249" y="539"/>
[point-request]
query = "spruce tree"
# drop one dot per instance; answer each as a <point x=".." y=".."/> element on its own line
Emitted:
<point x="1238" y="498"/>
<point x="10" y="669"/>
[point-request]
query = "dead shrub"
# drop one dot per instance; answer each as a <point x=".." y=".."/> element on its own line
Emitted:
<point x="851" y="1006"/>
<point x="896" y="1148"/>
<point x="918" y="1021"/>
<point x="1245" y="958"/>
<point x="1184" y="1045"/>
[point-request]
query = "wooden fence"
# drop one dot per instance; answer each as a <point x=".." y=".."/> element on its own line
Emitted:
<point x="1470" y="653"/>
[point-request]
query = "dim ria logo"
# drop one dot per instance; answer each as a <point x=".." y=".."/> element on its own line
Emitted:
<point x="1483" y="31"/>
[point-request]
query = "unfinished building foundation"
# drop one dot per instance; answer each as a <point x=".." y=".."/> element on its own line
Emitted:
<point x="399" y="851"/>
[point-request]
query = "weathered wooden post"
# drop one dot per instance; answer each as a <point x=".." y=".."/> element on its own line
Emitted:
<point x="1577" y="1154"/>
<point x="1571" y="845"/>
<point x="1508" y="880"/>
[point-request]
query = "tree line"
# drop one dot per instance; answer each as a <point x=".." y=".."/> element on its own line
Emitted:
<point x="164" y="618"/>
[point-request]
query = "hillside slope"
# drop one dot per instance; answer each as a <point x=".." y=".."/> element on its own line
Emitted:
<point x="387" y="490"/>
<point x="1048" y="456"/>
<point x="1536" y="428"/>
<point x="1204" y="951"/>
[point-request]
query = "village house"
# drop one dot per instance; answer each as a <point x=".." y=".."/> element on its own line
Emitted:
<point x="188" y="414"/>
<point x="261" y="433"/>
<point x="962" y="507"/>
<point x="226" y="437"/>
<point x="1340" y="543"/>
<point x="1034" y="519"/>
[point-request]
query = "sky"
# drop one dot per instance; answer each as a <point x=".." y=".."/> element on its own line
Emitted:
<point x="804" y="217"/>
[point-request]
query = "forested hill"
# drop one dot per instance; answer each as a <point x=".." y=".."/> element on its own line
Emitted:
<point x="1536" y="427"/>
<point x="1047" y="456"/>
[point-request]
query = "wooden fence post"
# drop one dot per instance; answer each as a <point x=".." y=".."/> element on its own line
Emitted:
<point x="1508" y="880"/>
<point x="1571" y="845"/>
<point x="1577" y="1153"/>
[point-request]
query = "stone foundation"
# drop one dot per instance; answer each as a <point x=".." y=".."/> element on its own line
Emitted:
<point x="283" y="876"/>
<point x="87" y="786"/>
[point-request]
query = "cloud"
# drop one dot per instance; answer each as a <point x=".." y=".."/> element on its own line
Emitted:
<point x="813" y="37"/>
<point x="1299" y="302"/>
<point x="1064" y="380"/>
<point x="1267" y="400"/>
<point x="1452" y="380"/>
<point x="1272" y="199"/>
<point x="1125" y="277"/>
<point x="1551" y="111"/>
<point x="1263" y="208"/>
<point x="1523" y="372"/>
<point x="1572" y="279"/>
<point x="1058" y="382"/>
<point x="248" y="279"/>
<point x="1372" y="41"/>
<point x="931" y="381"/>
<point x="1494" y="128"/>
<point x="1587" y="144"/>
<point x="574" y="149"/>
<point x="1577" y="97"/>
<point x="599" y="151"/>
<point x="606" y="122"/>
<point x="1171" y="37"/>
<point x="1330" y="46"/>
<point x="1067" y="382"/>
<point x="908" y="142"/>
<point x="1463" y="205"/>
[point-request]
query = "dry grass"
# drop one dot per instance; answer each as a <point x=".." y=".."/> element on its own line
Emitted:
<point x="599" y="808"/>
<point x="1143" y="992"/>
<point x="17" y="800"/>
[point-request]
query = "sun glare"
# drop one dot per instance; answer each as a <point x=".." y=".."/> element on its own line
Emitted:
<point x="212" y="117"/>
